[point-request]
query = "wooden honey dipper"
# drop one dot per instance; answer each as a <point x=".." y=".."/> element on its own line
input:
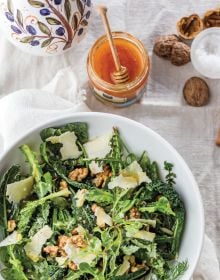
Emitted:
<point x="120" y="76"/>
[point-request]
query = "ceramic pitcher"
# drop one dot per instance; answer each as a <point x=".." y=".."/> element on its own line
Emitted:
<point x="45" y="27"/>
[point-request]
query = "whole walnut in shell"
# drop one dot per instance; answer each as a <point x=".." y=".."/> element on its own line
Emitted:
<point x="163" y="45"/>
<point x="180" y="54"/>
<point x="196" y="92"/>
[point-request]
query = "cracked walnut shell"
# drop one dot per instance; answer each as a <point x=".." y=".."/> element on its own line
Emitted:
<point x="212" y="18"/>
<point x="163" y="45"/>
<point x="180" y="54"/>
<point x="217" y="141"/>
<point x="189" y="27"/>
<point x="196" y="92"/>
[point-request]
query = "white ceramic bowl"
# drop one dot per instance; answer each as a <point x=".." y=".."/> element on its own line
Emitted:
<point x="205" y="53"/>
<point x="45" y="27"/>
<point x="138" y="138"/>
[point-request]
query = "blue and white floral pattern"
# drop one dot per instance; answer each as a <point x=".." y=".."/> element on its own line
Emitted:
<point x="56" y="24"/>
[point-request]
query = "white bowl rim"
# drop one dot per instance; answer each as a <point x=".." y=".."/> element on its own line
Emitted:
<point x="52" y="122"/>
<point x="195" y="43"/>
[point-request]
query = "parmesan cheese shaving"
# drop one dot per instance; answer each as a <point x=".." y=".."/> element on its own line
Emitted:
<point x="130" y="177"/>
<point x="98" y="148"/>
<point x="11" y="239"/>
<point x="80" y="197"/>
<point x="102" y="217"/>
<point x="69" y="150"/>
<point x="19" y="190"/>
<point x="33" y="248"/>
<point x="145" y="235"/>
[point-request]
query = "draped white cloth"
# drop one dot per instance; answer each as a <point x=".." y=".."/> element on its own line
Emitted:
<point x="25" y="109"/>
<point x="190" y="130"/>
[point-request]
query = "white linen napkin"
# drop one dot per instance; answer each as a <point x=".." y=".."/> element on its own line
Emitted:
<point x="24" y="109"/>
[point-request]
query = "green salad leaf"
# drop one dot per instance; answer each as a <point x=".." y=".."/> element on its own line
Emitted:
<point x="162" y="205"/>
<point x="100" y="196"/>
<point x="12" y="175"/>
<point x="80" y="129"/>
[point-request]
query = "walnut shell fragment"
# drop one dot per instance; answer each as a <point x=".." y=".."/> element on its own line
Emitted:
<point x="164" y="44"/>
<point x="212" y="18"/>
<point x="189" y="27"/>
<point x="217" y="141"/>
<point x="180" y="54"/>
<point x="196" y="92"/>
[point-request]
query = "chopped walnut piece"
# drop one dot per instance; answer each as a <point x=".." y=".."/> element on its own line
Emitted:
<point x="101" y="178"/>
<point x="79" y="174"/>
<point x="63" y="240"/>
<point x="79" y="241"/>
<point x="134" y="213"/>
<point x="11" y="225"/>
<point x="77" y="230"/>
<point x="51" y="250"/>
<point x="72" y="266"/>
<point x="63" y="185"/>
<point x="62" y="253"/>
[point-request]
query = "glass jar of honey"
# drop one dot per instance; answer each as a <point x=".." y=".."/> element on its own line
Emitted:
<point x="100" y="66"/>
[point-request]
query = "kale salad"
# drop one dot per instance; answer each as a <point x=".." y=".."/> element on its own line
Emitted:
<point x="84" y="208"/>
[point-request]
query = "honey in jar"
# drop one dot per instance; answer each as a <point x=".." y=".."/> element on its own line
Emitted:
<point x="100" y="66"/>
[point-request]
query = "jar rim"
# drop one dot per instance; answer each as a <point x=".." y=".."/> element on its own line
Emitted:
<point x="128" y="85"/>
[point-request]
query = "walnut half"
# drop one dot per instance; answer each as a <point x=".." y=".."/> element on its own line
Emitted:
<point x="189" y="27"/>
<point x="212" y="18"/>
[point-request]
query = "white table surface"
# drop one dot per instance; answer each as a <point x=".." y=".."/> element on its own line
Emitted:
<point x="190" y="130"/>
